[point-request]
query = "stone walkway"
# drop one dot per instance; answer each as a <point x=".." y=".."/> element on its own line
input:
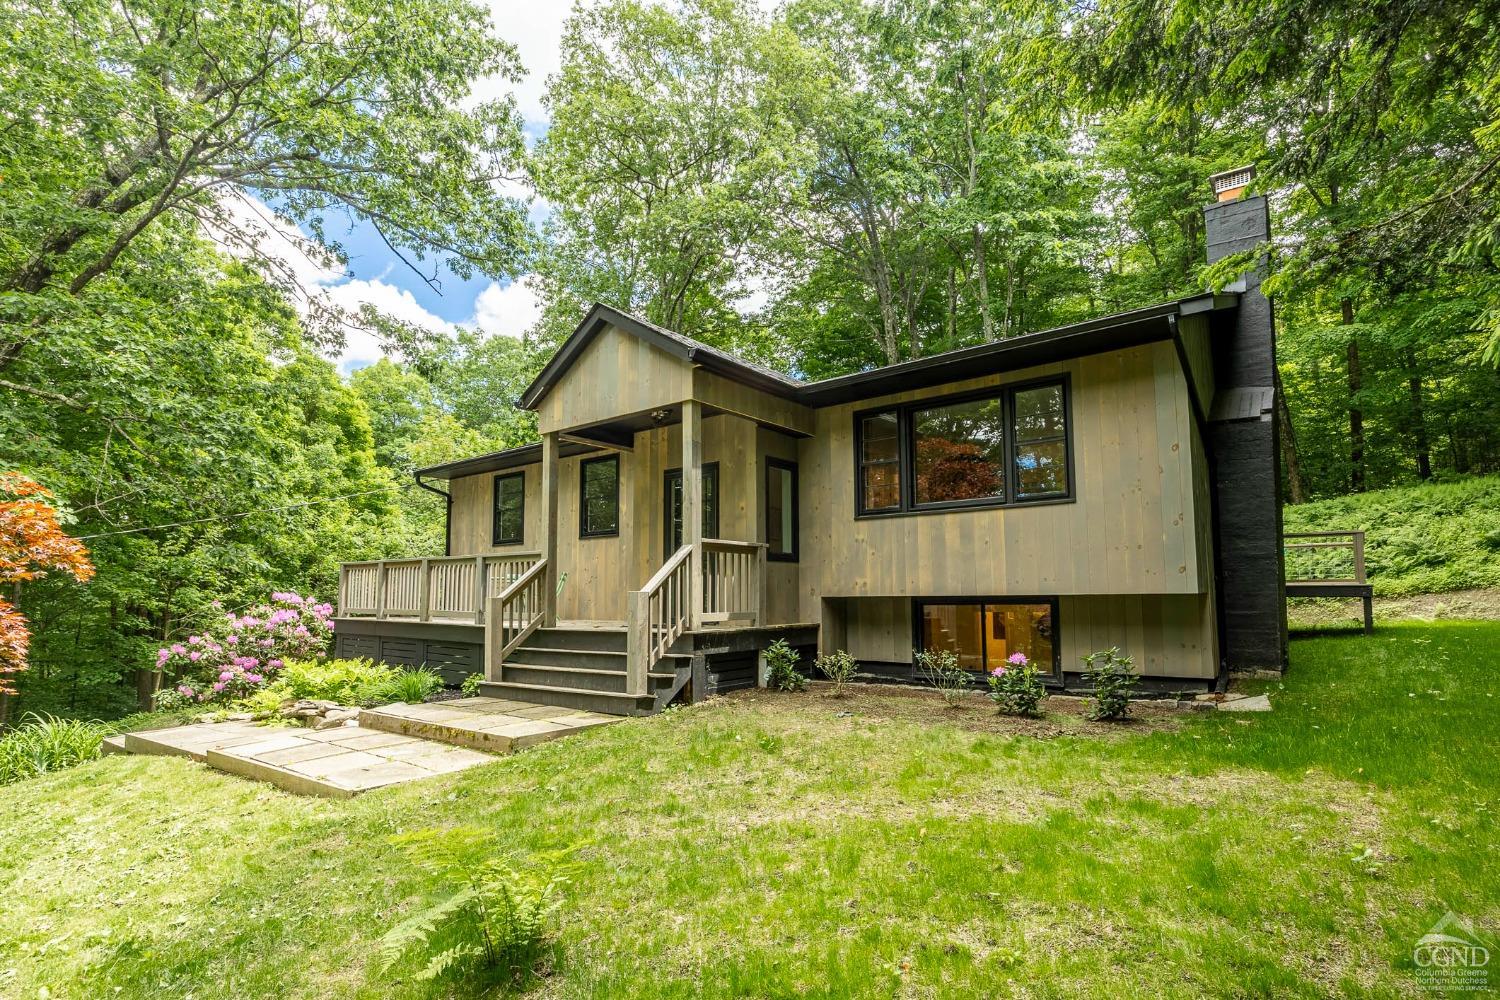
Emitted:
<point x="391" y="745"/>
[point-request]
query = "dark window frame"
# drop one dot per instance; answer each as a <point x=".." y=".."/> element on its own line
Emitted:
<point x="907" y="443"/>
<point x="666" y="501"/>
<point x="785" y="465"/>
<point x="1053" y="677"/>
<point x="583" y="507"/>
<point x="495" y="537"/>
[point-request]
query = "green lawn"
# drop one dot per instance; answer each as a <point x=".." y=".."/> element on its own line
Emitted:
<point x="773" y="847"/>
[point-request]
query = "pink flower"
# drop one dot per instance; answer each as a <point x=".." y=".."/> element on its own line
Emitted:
<point x="998" y="672"/>
<point x="193" y="640"/>
<point x="233" y="640"/>
<point x="274" y="664"/>
<point x="219" y="686"/>
<point x="195" y="656"/>
<point x="179" y="649"/>
<point x="226" y="675"/>
<point x="186" y="691"/>
<point x="1018" y="659"/>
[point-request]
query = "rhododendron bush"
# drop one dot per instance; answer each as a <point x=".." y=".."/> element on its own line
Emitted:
<point x="240" y="654"/>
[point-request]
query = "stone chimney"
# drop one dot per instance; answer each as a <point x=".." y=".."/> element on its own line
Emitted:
<point x="1244" y="443"/>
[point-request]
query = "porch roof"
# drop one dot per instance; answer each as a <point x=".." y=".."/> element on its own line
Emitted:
<point x="497" y="461"/>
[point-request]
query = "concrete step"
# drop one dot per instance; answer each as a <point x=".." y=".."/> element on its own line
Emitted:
<point x="484" y="723"/>
<point x="582" y="699"/>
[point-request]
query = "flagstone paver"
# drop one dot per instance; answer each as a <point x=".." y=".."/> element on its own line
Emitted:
<point x="390" y="745"/>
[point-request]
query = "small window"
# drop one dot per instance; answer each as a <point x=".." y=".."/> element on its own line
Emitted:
<point x="781" y="510"/>
<point x="599" y="496"/>
<point x="1041" y="436"/>
<point x="710" y="522"/>
<point x="880" y="462"/>
<point x="984" y="634"/>
<point x="510" y="509"/>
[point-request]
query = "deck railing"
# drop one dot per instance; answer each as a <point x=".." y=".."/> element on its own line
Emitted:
<point x="655" y="617"/>
<point x="733" y="575"/>
<point x="445" y="588"/>
<point x="515" y="613"/>
<point x="1325" y="557"/>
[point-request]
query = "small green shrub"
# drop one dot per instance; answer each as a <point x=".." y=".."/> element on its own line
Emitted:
<point x="267" y="700"/>
<point x="1016" y="687"/>
<point x="410" y="686"/>
<point x="1109" y="674"/>
<point x="46" y="743"/>
<point x="940" y="668"/>
<point x="840" y="668"/>
<point x="493" y="925"/>
<point x="781" y="668"/>
<point x="470" y="686"/>
<point x="348" y="682"/>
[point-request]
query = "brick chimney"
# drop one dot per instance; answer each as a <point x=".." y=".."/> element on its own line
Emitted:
<point x="1244" y="442"/>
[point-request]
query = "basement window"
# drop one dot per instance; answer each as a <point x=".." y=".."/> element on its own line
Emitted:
<point x="984" y="634"/>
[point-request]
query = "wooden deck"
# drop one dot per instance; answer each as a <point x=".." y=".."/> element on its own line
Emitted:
<point x="1329" y="564"/>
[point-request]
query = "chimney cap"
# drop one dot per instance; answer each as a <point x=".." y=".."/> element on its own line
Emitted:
<point x="1230" y="184"/>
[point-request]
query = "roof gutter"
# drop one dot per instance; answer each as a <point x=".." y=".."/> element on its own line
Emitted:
<point x="447" y="512"/>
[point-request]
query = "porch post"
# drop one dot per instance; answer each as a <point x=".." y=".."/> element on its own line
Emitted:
<point x="550" y="528"/>
<point x="692" y="506"/>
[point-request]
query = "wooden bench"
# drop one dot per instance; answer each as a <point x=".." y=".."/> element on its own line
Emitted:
<point x="1355" y="585"/>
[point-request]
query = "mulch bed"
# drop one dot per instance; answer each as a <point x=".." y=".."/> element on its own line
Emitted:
<point x="1063" y="715"/>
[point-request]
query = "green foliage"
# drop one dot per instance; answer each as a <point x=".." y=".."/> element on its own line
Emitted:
<point x="494" y="921"/>
<point x="41" y="744"/>
<point x="1016" y="687"/>
<point x="940" y="668"/>
<point x="411" y="686"/>
<point x="781" y="668"/>
<point x="839" y="667"/>
<point x="1419" y="539"/>
<point x="470" y="686"/>
<point x="348" y="682"/>
<point x="1113" y="681"/>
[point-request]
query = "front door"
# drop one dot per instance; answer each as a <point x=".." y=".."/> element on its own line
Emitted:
<point x="672" y="490"/>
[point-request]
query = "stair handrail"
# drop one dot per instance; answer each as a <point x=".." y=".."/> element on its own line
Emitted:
<point x="513" y="616"/>
<point x="734" y="575"/>
<point x="656" y="616"/>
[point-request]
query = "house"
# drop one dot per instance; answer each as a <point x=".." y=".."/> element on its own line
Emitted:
<point x="1109" y="483"/>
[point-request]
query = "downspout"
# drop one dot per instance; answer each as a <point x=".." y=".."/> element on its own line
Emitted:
<point x="447" y="512"/>
<point x="1200" y="420"/>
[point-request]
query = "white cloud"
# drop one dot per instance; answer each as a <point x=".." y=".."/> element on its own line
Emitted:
<point x="251" y="228"/>
<point x="509" y="311"/>
<point x="535" y="29"/>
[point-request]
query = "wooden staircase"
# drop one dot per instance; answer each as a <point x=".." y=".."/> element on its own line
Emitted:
<point x="585" y="668"/>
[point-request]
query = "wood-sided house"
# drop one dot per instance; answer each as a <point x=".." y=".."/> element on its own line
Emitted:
<point x="1108" y="483"/>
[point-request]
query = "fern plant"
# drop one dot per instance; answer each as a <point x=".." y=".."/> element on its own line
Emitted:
<point x="494" y="923"/>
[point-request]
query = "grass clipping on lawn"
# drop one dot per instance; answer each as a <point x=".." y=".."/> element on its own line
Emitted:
<point x="780" y="845"/>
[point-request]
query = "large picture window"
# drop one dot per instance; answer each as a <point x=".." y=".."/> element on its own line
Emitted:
<point x="599" y="496"/>
<point x="1008" y="445"/>
<point x="984" y="634"/>
<point x="510" y="509"/>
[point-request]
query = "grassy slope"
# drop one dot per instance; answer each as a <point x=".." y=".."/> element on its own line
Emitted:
<point x="1421" y="539"/>
<point x="770" y="847"/>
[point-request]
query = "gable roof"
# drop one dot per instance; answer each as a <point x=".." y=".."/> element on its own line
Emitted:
<point x="601" y="317"/>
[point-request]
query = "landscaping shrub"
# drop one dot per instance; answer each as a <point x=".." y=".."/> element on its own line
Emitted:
<point x="1016" y="687"/>
<point x="470" y="686"/>
<point x="348" y="682"/>
<point x="781" y="668"/>
<point x="411" y="686"/>
<point x="840" y="668"/>
<point x="939" y="667"/>
<point x="493" y="925"/>
<point x="240" y="653"/>
<point x="1109" y="674"/>
<point x="46" y="743"/>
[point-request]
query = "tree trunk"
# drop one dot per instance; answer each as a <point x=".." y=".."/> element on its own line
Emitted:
<point x="1418" y="418"/>
<point x="982" y="273"/>
<point x="1356" y="415"/>
<point x="1289" y="457"/>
